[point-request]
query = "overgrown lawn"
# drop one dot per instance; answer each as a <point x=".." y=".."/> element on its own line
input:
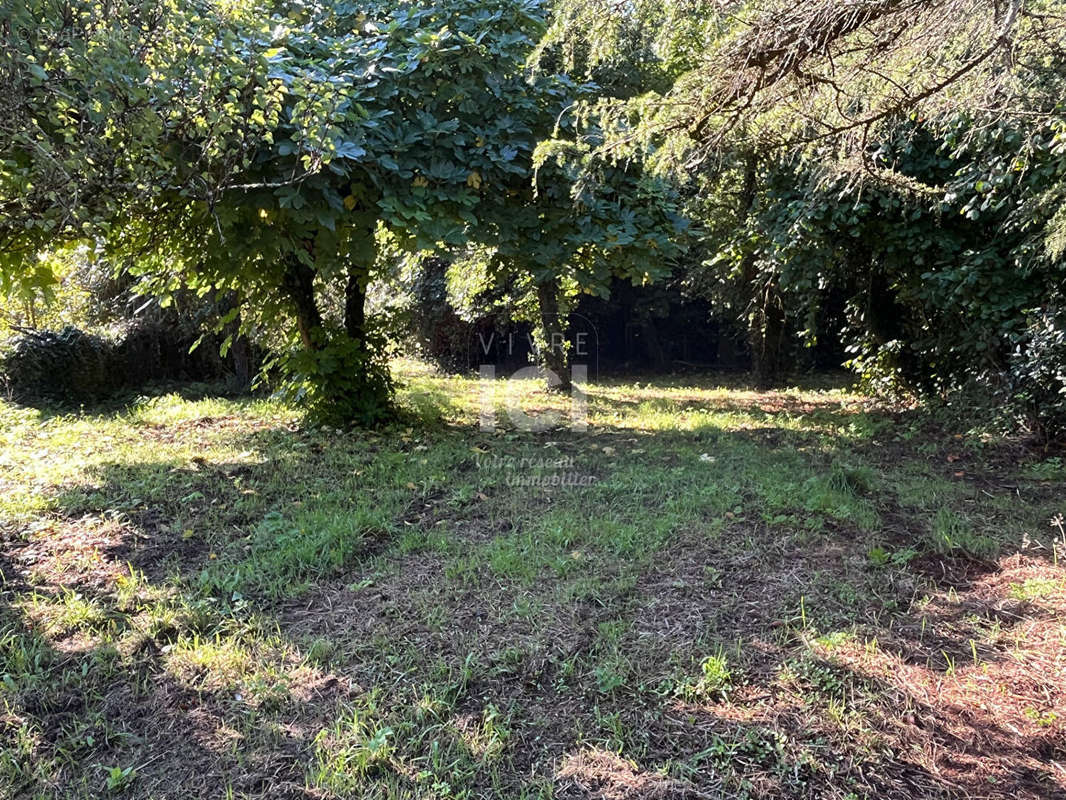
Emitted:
<point x="710" y="592"/>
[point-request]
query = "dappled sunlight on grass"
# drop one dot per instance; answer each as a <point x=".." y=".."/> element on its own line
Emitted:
<point x="647" y="407"/>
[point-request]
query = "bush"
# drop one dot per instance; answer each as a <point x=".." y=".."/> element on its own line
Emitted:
<point x="64" y="366"/>
<point x="441" y="334"/>
<point x="1037" y="376"/>
<point x="157" y="350"/>
<point x="343" y="382"/>
<point x="72" y="366"/>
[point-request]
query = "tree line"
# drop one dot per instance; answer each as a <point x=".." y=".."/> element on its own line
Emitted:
<point x="886" y="174"/>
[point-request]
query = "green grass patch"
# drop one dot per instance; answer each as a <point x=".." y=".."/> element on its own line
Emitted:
<point x="208" y="597"/>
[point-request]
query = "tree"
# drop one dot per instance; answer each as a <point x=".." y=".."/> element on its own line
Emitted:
<point x="274" y="149"/>
<point x="901" y="156"/>
<point x="584" y="216"/>
<point x="581" y="222"/>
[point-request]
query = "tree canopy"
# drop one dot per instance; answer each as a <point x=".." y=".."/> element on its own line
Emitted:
<point x="258" y="150"/>
<point x="886" y="173"/>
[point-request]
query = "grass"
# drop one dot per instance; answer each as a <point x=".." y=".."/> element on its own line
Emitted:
<point x="710" y="592"/>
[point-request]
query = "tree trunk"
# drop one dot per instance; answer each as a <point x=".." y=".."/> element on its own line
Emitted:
<point x="767" y="333"/>
<point x="766" y="318"/>
<point x="653" y="347"/>
<point x="241" y="350"/>
<point x="300" y="285"/>
<point x="353" y="385"/>
<point x="355" y="304"/>
<point x="554" y="353"/>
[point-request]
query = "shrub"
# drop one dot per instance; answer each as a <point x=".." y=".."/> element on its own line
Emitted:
<point x="156" y="350"/>
<point x="343" y="382"/>
<point x="67" y="365"/>
<point x="441" y="334"/>
<point x="72" y="366"/>
<point x="1037" y="376"/>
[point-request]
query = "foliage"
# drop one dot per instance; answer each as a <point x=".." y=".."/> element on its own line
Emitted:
<point x="91" y="91"/>
<point x="768" y="75"/>
<point x="937" y="272"/>
<point x="347" y="382"/>
<point x="1036" y="383"/>
<point x="274" y="160"/>
<point x="589" y="218"/>
<point x="627" y="51"/>
<point x="67" y="365"/>
<point x="880" y="172"/>
<point x="585" y="221"/>
<point x="74" y="366"/>
<point x="440" y="333"/>
<point x="336" y="117"/>
<point x="60" y="292"/>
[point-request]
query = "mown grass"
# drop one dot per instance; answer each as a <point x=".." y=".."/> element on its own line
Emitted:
<point x="710" y="592"/>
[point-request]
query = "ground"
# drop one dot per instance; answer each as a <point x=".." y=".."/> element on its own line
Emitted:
<point x="709" y="592"/>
